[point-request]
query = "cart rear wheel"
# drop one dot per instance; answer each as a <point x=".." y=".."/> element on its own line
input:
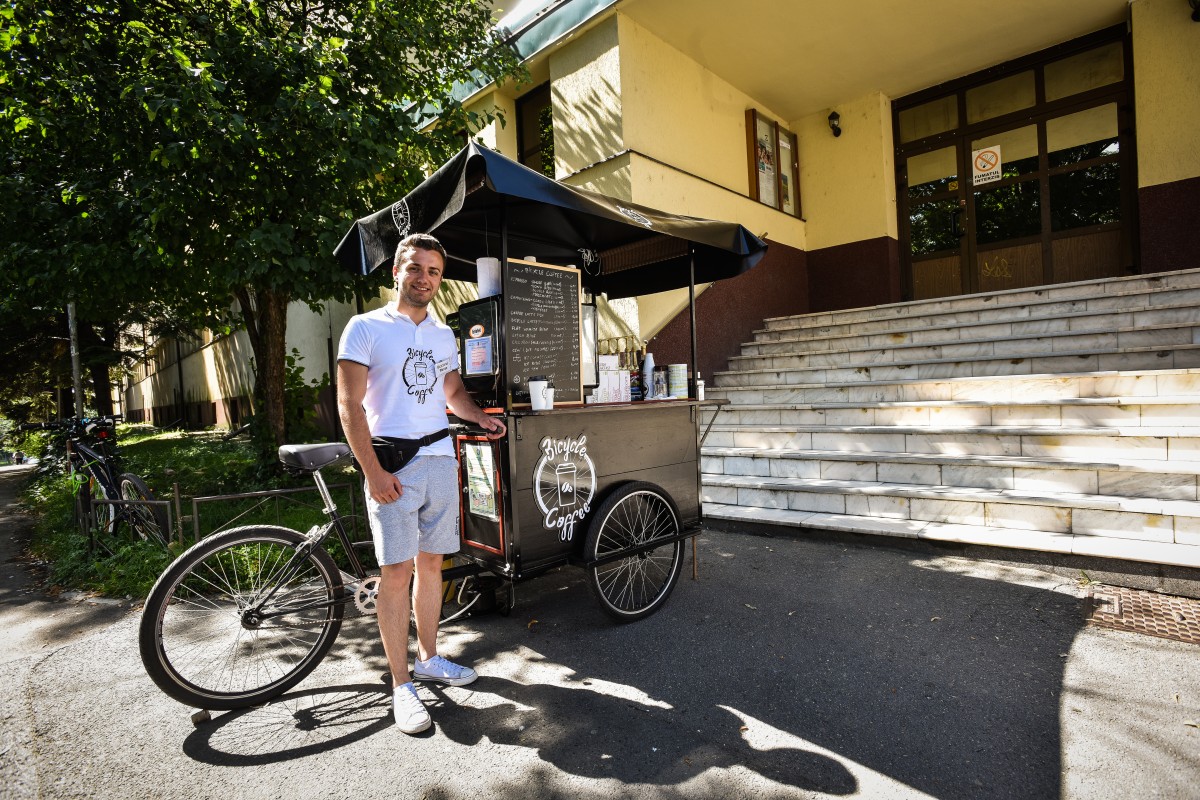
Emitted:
<point x="636" y="586"/>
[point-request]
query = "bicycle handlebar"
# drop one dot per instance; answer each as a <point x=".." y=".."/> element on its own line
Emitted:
<point x="77" y="426"/>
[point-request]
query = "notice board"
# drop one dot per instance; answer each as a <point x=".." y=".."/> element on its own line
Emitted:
<point x="541" y="308"/>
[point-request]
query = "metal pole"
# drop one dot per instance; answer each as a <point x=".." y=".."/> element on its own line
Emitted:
<point x="76" y="370"/>
<point x="337" y="418"/>
<point x="692" y="312"/>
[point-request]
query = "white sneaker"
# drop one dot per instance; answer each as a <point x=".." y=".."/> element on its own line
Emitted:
<point x="443" y="671"/>
<point x="411" y="716"/>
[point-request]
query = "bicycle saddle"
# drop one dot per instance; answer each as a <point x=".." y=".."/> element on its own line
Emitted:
<point x="312" y="457"/>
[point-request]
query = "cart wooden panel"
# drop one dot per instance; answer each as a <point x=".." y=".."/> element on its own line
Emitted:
<point x="557" y="466"/>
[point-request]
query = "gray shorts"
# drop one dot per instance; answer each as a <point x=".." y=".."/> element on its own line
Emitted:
<point x="425" y="517"/>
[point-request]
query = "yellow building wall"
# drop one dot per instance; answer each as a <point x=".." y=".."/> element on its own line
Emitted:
<point x="848" y="182"/>
<point x="586" y="94"/>
<point x="501" y="133"/>
<point x="636" y="119"/>
<point x="1166" y="75"/>
<point x="678" y="113"/>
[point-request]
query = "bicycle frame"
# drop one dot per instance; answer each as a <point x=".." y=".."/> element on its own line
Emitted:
<point x="315" y="539"/>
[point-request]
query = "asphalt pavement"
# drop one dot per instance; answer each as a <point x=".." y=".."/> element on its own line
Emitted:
<point x="790" y="669"/>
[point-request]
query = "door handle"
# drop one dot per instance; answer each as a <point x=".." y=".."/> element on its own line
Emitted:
<point x="955" y="228"/>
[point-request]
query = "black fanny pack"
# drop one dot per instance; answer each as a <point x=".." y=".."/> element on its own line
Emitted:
<point x="394" y="453"/>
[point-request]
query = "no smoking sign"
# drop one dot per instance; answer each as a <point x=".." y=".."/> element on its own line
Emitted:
<point x="985" y="165"/>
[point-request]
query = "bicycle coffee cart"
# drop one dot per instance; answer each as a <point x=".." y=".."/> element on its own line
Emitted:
<point x="614" y="488"/>
<point x="247" y="613"/>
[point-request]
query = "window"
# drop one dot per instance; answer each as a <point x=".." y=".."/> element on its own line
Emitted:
<point x="535" y="130"/>
<point x="774" y="164"/>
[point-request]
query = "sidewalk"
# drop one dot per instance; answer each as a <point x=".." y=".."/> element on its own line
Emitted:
<point x="791" y="669"/>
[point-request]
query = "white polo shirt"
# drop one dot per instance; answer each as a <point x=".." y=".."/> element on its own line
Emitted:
<point x="406" y="368"/>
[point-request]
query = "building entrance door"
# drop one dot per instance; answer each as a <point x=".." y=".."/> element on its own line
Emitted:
<point x="1035" y="186"/>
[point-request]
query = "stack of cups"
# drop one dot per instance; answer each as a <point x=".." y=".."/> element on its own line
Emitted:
<point x="677" y="380"/>
<point x="489" y="276"/>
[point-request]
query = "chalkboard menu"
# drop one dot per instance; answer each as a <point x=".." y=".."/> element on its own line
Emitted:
<point x="541" y="306"/>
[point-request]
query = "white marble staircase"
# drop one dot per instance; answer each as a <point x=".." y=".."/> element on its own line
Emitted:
<point x="1063" y="419"/>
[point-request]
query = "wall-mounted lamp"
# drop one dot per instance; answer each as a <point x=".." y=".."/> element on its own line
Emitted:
<point x="835" y="123"/>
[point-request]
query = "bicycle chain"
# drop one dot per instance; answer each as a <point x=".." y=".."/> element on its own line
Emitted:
<point x="345" y="604"/>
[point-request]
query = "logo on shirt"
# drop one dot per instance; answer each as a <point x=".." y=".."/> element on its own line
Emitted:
<point x="564" y="483"/>
<point x="420" y="373"/>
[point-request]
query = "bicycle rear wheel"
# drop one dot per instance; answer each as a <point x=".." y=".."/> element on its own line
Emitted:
<point x="147" y="522"/>
<point x="635" y="586"/>
<point x="240" y="618"/>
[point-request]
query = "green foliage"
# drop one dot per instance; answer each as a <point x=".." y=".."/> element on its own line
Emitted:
<point x="201" y="465"/>
<point x="168" y="156"/>
<point x="300" y="401"/>
<point x="300" y="412"/>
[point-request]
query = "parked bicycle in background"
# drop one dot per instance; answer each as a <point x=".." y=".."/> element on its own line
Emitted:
<point x="111" y="506"/>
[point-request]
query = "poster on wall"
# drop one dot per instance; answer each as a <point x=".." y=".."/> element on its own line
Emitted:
<point x="765" y="159"/>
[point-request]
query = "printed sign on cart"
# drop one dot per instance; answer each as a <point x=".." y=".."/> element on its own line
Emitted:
<point x="564" y="483"/>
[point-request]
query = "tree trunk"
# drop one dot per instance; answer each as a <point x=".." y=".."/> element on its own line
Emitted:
<point x="99" y="351"/>
<point x="265" y="315"/>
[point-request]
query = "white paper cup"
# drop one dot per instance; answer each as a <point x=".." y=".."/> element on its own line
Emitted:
<point x="489" y="276"/>
<point x="541" y="395"/>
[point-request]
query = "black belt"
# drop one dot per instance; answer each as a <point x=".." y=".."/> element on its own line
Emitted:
<point x="393" y="452"/>
<point x="417" y="443"/>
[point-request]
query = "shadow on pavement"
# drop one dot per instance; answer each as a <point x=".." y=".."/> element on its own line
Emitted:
<point x="811" y="664"/>
<point x="944" y="682"/>
<point x="295" y="725"/>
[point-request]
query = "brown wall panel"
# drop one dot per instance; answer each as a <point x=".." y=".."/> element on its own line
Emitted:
<point x="729" y="312"/>
<point x="1170" y="225"/>
<point x="854" y="275"/>
<point x="1088" y="257"/>
<point x="937" y="277"/>
<point x="1013" y="267"/>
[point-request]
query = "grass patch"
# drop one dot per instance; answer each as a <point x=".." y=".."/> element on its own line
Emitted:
<point x="201" y="465"/>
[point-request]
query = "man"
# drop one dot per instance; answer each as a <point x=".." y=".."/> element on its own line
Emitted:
<point x="397" y="373"/>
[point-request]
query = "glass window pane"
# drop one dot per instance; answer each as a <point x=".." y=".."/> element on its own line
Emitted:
<point x="764" y="154"/>
<point x="1008" y="212"/>
<point x="1018" y="150"/>
<point x="927" y="119"/>
<point x="1078" y="73"/>
<point x="933" y="172"/>
<point x="787" y="161"/>
<point x="1086" y="134"/>
<point x="931" y="226"/>
<point x="1090" y="196"/>
<point x="1001" y="97"/>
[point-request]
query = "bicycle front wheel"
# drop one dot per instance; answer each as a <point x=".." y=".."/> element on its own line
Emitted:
<point x="241" y="617"/>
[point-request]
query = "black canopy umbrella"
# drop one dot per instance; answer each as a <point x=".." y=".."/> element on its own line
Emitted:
<point x="481" y="203"/>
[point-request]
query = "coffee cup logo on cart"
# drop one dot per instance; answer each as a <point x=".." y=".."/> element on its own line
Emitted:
<point x="564" y="483"/>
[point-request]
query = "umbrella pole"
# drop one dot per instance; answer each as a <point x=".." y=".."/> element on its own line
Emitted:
<point x="692" y="381"/>
<point x="503" y="239"/>
<point x="692" y="312"/>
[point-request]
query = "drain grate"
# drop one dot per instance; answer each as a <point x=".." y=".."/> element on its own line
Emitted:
<point x="1161" y="615"/>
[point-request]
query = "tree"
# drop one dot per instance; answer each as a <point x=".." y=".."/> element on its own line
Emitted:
<point x="206" y="153"/>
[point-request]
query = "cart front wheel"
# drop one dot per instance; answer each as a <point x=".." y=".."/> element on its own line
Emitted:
<point x="635" y="586"/>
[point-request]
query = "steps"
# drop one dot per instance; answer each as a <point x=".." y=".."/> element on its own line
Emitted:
<point x="1064" y="419"/>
